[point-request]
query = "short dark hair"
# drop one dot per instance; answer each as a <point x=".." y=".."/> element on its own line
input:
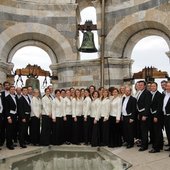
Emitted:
<point x="23" y="88"/>
<point x="62" y="90"/>
<point x="6" y="82"/>
<point x="56" y="91"/>
<point x="93" y="87"/>
<point x="142" y="81"/>
<point x="164" y="81"/>
<point x="12" y="86"/>
<point x="155" y="83"/>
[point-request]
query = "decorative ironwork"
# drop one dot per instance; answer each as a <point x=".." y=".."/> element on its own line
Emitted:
<point x="149" y="74"/>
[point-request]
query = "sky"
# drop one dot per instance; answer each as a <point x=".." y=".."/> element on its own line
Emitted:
<point x="149" y="51"/>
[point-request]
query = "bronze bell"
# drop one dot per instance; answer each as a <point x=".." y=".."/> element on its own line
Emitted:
<point x="88" y="45"/>
<point x="34" y="82"/>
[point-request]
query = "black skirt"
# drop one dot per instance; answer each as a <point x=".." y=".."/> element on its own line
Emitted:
<point x="45" y="137"/>
<point x="57" y="131"/>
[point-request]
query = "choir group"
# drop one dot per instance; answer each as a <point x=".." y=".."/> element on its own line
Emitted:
<point x="105" y="117"/>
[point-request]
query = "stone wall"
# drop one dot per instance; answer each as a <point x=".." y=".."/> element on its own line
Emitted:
<point x="52" y="25"/>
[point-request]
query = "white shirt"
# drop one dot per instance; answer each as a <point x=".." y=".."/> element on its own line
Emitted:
<point x="153" y="94"/>
<point x="57" y="107"/>
<point x="139" y="94"/>
<point x="105" y="108"/>
<point x="36" y="107"/>
<point x="46" y="106"/>
<point x="6" y="93"/>
<point x="166" y="98"/>
<point x="27" y="99"/>
<point x="30" y="96"/>
<point x="115" y="110"/>
<point x="77" y="107"/>
<point x="14" y="99"/>
<point x="86" y="106"/>
<point x="67" y="106"/>
<point x="95" y="109"/>
<point x="1" y="106"/>
<point x="124" y="112"/>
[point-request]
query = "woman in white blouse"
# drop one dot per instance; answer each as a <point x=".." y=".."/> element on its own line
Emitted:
<point x="68" y="118"/>
<point x="57" y="118"/>
<point x="94" y="119"/>
<point x="36" y="109"/>
<point x="86" y="114"/>
<point x="77" y="111"/>
<point x="115" y="137"/>
<point x="104" y="121"/>
<point x="46" y="119"/>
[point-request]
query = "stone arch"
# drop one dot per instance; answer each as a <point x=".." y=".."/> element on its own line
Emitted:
<point x="132" y="41"/>
<point x="56" y="45"/>
<point x="130" y="30"/>
<point x="32" y="43"/>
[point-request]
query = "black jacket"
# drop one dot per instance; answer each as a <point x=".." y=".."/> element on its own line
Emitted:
<point x="23" y="108"/>
<point x="144" y="102"/>
<point x="9" y="105"/>
<point x="157" y="104"/>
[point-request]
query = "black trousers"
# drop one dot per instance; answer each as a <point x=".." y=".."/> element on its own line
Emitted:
<point x="2" y="129"/>
<point x="57" y="131"/>
<point x="104" y="132"/>
<point x="16" y="132"/>
<point x="68" y="129"/>
<point x="23" y="130"/>
<point x="144" y="129"/>
<point x="156" y="133"/>
<point x="128" y="130"/>
<point x="95" y="139"/>
<point x="35" y="130"/>
<point x="137" y="130"/>
<point x="77" y="130"/>
<point x="10" y="129"/>
<point x="115" y="132"/>
<point x="167" y="126"/>
<point x="45" y="136"/>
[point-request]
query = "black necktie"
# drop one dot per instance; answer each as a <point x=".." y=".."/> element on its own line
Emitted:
<point x="29" y="99"/>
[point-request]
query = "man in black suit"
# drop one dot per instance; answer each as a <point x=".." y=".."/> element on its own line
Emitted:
<point x="156" y="119"/>
<point x="10" y="116"/>
<point x="3" y="94"/>
<point x="143" y="109"/>
<point x="166" y="112"/>
<point x="24" y="110"/>
<point x="128" y="117"/>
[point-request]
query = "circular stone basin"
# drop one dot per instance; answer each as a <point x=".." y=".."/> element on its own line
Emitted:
<point x="65" y="158"/>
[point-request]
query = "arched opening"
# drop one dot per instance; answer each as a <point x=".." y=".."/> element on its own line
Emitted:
<point x="151" y="51"/>
<point x="31" y="55"/>
<point x="88" y="13"/>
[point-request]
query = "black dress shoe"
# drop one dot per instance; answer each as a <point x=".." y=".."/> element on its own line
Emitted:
<point x="23" y="146"/>
<point x="142" y="149"/>
<point x="14" y="145"/>
<point x="67" y="143"/>
<point x="125" y="144"/>
<point x="154" y="151"/>
<point x="129" y="146"/>
<point x="139" y="145"/>
<point x="166" y="144"/>
<point x="10" y="147"/>
<point x="168" y="149"/>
